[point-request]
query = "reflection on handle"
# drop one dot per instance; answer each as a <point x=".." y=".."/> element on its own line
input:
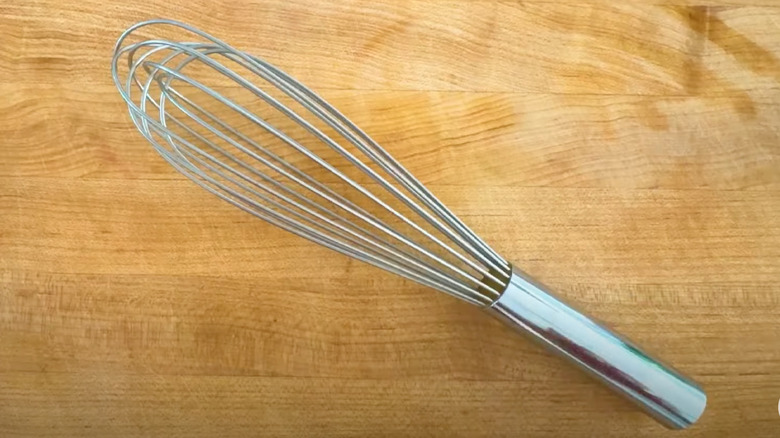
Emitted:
<point x="658" y="389"/>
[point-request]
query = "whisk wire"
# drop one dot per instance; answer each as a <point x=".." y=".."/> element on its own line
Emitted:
<point x="332" y="144"/>
<point x="326" y="113"/>
<point x="374" y="241"/>
<point x="182" y="164"/>
<point x="367" y="145"/>
<point x="296" y="145"/>
<point x="362" y="233"/>
<point x="231" y="177"/>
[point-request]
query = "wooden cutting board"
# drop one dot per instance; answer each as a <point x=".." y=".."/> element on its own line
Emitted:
<point x="628" y="155"/>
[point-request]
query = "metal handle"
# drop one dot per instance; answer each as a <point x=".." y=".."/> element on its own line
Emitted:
<point x="662" y="392"/>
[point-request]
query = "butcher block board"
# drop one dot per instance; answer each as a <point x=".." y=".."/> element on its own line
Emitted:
<point x="627" y="154"/>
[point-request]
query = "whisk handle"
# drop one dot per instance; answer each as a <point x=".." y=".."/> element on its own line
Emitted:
<point x="661" y="391"/>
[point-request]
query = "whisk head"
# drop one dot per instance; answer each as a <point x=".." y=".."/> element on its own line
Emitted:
<point x="254" y="136"/>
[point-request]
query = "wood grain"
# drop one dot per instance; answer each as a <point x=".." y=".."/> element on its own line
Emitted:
<point x="488" y="46"/>
<point x="627" y="155"/>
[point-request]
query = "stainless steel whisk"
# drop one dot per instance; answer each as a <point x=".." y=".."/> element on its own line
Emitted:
<point x="214" y="113"/>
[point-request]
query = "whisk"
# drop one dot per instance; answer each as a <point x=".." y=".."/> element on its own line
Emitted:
<point x="259" y="139"/>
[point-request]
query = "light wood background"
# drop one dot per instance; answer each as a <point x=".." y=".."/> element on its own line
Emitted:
<point x="626" y="153"/>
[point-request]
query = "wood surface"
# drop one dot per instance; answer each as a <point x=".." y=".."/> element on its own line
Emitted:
<point x="625" y="153"/>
